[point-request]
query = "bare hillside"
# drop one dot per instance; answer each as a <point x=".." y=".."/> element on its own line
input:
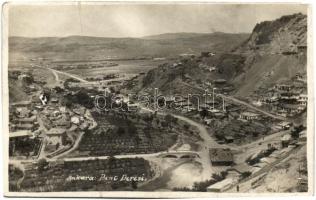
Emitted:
<point x="275" y="51"/>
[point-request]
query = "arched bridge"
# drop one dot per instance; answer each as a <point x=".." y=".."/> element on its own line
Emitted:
<point x="179" y="154"/>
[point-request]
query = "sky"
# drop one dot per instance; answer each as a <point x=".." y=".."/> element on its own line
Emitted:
<point x="138" y="20"/>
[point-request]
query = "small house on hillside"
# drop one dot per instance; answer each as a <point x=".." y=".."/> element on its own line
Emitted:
<point x="285" y="140"/>
<point x="284" y="125"/>
<point x="23" y="112"/>
<point x="207" y="54"/>
<point x="56" y="135"/>
<point x="54" y="100"/>
<point x="283" y="87"/>
<point x="302" y="49"/>
<point x="303" y="97"/>
<point x="228" y="139"/>
<point x="303" y="136"/>
<point x="248" y="116"/>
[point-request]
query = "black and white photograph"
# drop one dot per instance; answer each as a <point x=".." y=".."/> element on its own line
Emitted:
<point x="157" y="99"/>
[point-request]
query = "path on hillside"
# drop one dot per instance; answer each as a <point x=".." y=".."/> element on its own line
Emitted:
<point x="252" y="107"/>
<point x="55" y="74"/>
<point x="70" y="75"/>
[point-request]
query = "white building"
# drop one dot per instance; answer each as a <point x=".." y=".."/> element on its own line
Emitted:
<point x="248" y="116"/>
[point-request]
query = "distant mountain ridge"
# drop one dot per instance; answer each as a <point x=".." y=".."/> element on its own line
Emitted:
<point x="182" y="35"/>
<point x="85" y="47"/>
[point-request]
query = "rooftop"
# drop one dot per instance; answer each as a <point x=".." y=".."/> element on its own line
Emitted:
<point x="20" y="133"/>
<point x="284" y="123"/>
<point x="286" y="137"/>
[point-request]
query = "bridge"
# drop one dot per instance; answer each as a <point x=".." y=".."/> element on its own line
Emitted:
<point x="179" y="154"/>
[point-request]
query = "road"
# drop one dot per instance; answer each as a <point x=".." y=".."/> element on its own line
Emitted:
<point x="270" y="138"/>
<point x="208" y="142"/>
<point x="69" y="75"/>
<point x="106" y="81"/>
<point x="85" y="158"/>
<point x="55" y="74"/>
<point x="252" y="107"/>
<point x="240" y="102"/>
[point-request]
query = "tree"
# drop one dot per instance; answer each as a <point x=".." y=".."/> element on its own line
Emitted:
<point x="170" y="119"/>
<point x="42" y="163"/>
<point x="148" y="118"/>
<point x="134" y="184"/>
<point x="83" y="99"/>
<point x="66" y="102"/>
<point x="203" y="113"/>
<point x="245" y="174"/>
<point x="58" y="89"/>
<point x="295" y="133"/>
<point x="186" y="127"/>
<point x="57" y="145"/>
<point x="111" y="162"/>
<point x="120" y="131"/>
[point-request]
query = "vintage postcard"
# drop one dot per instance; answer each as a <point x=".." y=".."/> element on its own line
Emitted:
<point x="157" y="99"/>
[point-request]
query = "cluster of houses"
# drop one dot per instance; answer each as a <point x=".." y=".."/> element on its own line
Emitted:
<point x="23" y="129"/>
<point x="248" y="116"/>
<point x="47" y="119"/>
<point x="22" y="117"/>
<point x="102" y="77"/>
<point x="59" y="120"/>
<point x="287" y="100"/>
<point x="91" y="65"/>
<point x="296" y="49"/>
<point x="255" y="162"/>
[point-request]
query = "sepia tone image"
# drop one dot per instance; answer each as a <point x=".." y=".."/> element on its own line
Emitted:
<point x="172" y="97"/>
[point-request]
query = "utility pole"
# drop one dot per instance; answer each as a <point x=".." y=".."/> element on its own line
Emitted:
<point x="213" y="99"/>
<point x="224" y="109"/>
